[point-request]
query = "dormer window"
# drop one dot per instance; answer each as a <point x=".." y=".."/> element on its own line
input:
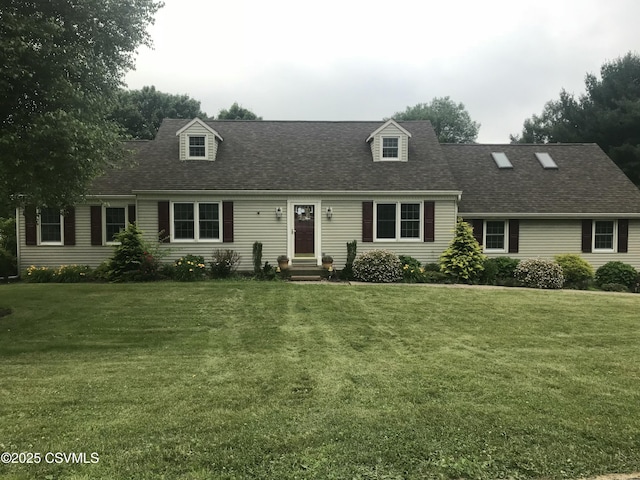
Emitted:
<point x="390" y="143"/>
<point x="197" y="146"/>
<point x="390" y="148"/>
<point x="198" y="141"/>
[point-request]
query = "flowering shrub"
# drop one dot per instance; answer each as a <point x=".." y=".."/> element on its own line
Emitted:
<point x="576" y="270"/>
<point x="616" y="272"/>
<point x="189" y="268"/>
<point x="73" y="274"/>
<point x="62" y="274"/>
<point x="380" y="266"/>
<point x="539" y="273"/>
<point x="39" y="274"/>
<point x="463" y="260"/>
<point x="412" y="270"/>
<point x="225" y="262"/>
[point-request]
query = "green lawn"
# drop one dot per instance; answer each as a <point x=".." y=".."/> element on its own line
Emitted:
<point x="279" y="380"/>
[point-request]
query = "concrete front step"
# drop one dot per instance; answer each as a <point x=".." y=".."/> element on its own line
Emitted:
<point x="305" y="278"/>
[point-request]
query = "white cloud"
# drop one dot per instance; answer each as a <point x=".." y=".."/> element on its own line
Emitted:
<point x="351" y="60"/>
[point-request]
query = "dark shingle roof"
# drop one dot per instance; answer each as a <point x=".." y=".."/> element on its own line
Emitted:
<point x="274" y="155"/>
<point x="334" y="156"/>
<point x="586" y="180"/>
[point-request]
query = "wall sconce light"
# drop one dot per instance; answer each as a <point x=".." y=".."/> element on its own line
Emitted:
<point x="278" y="212"/>
<point x="329" y="212"/>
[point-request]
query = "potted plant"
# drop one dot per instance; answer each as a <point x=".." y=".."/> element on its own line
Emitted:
<point x="283" y="262"/>
<point x="327" y="262"/>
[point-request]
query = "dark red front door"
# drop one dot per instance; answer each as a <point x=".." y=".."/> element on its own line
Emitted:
<point x="304" y="226"/>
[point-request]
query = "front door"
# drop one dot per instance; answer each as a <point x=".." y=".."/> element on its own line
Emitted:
<point x="304" y="229"/>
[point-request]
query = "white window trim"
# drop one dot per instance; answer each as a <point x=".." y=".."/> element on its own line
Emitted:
<point x="398" y="238"/>
<point x="614" y="240"/>
<point x="206" y="147"/>
<point x="196" y="224"/>
<point x="105" y="241"/>
<point x="40" y="242"/>
<point x="505" y="242"/>
<point x="390" y="159"/>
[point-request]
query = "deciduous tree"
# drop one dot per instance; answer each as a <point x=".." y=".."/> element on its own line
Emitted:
<point x="61" y="65"/>
<point x="140" y="112"/>
<point x="237" y="112"/>
<point x="450" y="120"/>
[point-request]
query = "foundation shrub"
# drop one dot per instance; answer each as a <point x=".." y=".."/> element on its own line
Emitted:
<point x="380" y="266"/>
<point x="463" y="260"/>
<point x="578" y="273"/>
<point x="616" y="272"/>
<point x="499" y="271"/>
<point x="539" y="273"/>
<point x="225" y="263"/>
<point x="189" y="268"/>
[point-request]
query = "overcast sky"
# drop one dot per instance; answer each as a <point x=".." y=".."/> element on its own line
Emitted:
<point x="365" y="60"/>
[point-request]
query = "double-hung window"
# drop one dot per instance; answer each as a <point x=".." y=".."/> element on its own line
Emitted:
<point x="494" y="237"/>
<point x="50" y="226"/>
<point x="397" y="221"/>
<point x="604" y="235"/>
<point x="197" y="221"/>
<point x="390" y="148"/>
<point x="197" y="146"/>
<point x="115" y="220"/>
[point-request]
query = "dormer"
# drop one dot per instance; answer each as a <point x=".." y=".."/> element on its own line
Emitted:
<point x="390" y="143"/>
<point x="198" y="141"/>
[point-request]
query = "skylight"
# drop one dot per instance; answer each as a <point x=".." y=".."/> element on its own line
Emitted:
<point x="545" y="160"/>
<point x="501" y="160"/>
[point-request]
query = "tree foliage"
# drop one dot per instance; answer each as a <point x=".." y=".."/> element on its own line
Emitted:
<point x="450" y="120"/>
<point x="237" y="112"/>
<point x="140" y="112"/>
<point x="62" y="63"/>
<point x="608" y="114"/>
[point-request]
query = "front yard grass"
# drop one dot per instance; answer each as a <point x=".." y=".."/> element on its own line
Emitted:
<point x="275" y="380"/>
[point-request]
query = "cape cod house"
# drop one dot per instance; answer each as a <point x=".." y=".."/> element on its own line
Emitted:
<point x="305" y="189"/>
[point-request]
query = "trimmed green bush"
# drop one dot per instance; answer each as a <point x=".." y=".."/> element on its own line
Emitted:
<point x="578" y="273"/>
<point x="616" y="272"/>
<point x="499" y="271"/>
<point x="463" y="260"/>
<point x="614" y="287"/>
<point x="380" y="266"/>
<point x="539" y="273"/>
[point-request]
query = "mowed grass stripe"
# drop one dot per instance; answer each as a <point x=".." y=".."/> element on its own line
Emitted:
<point x="278" y="380"/>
